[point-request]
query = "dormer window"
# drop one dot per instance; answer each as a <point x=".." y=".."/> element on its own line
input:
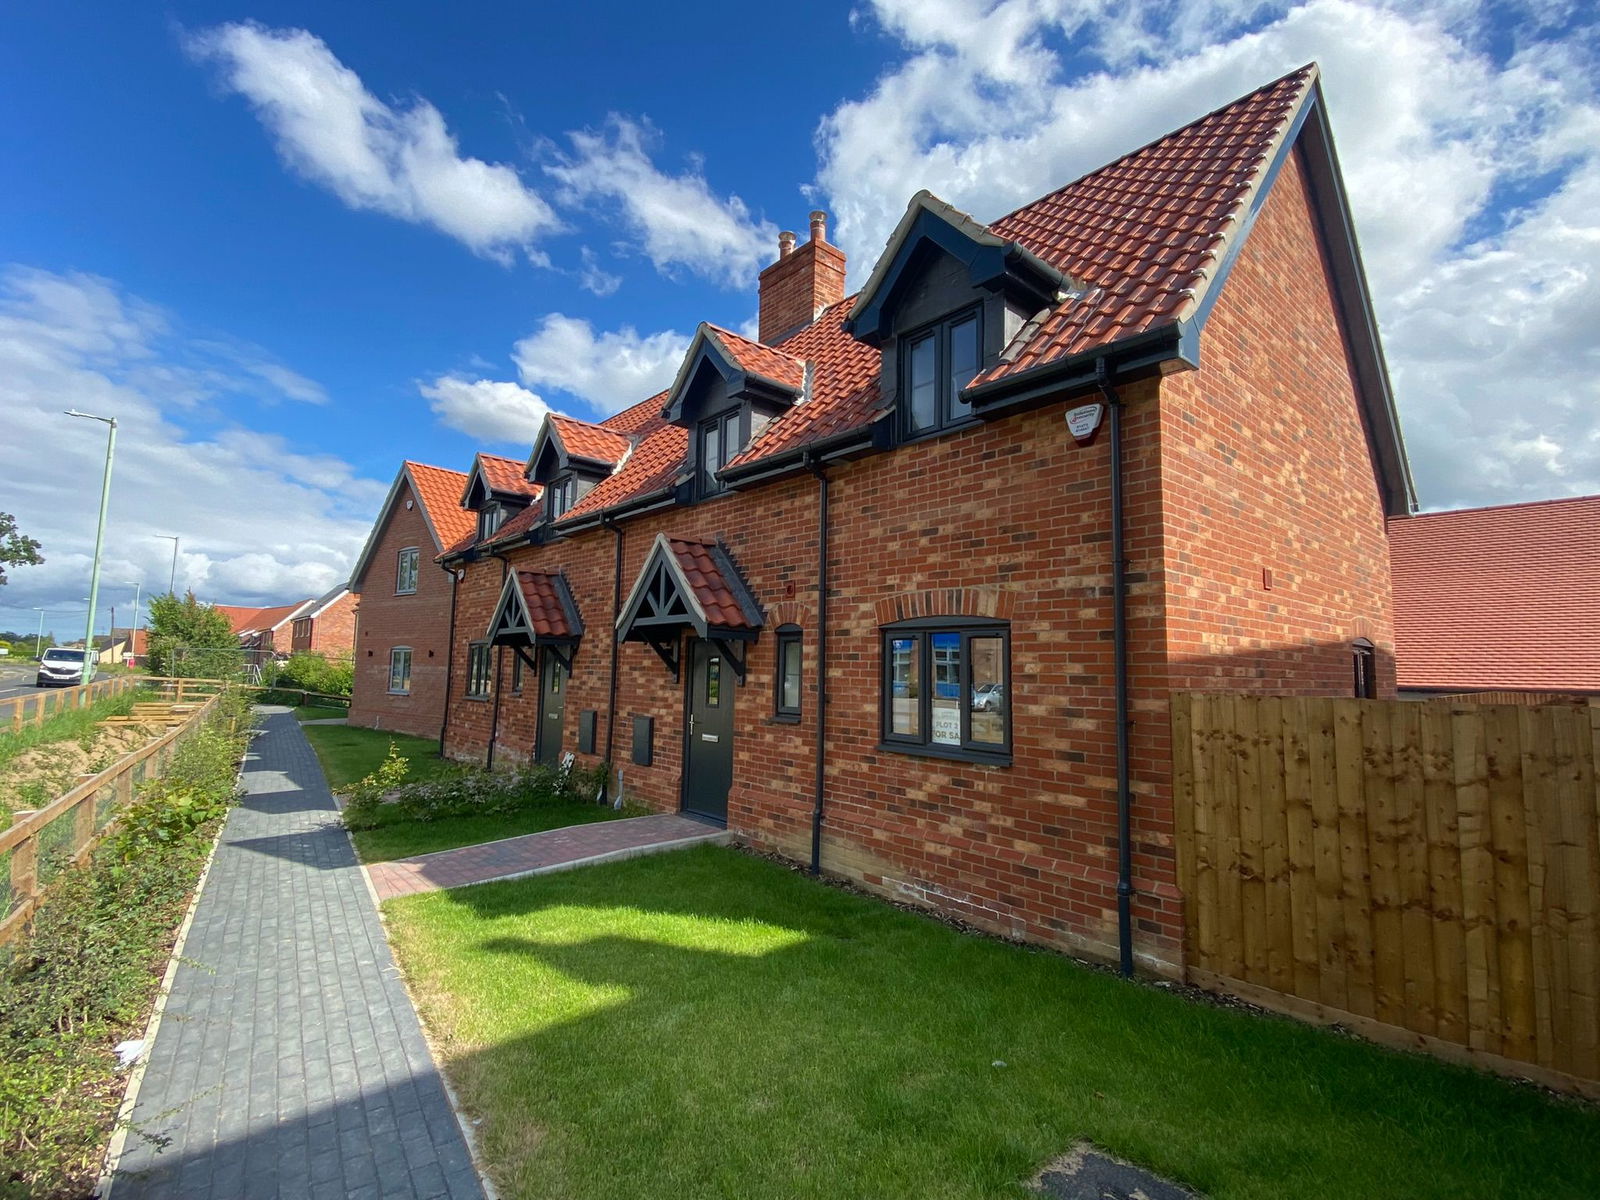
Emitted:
<point x="719" y="443"/>
<point x="937" y="362"/>
<point x="559" y="496"/>
<point x="490" y="517"/>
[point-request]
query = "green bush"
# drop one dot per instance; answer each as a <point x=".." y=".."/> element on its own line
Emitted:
<point x="311" y="673"/>
<point x="382" y="799"/>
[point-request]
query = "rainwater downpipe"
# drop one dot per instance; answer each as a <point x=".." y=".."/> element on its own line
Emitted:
<point x="1119" y="651"/>
<point x="457" y="574"/>
<point x="822" y="659"/>
<point x="494" y="716"/>
<point x="616" y="642"/>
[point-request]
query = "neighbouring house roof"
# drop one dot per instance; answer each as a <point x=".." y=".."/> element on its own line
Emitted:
<point x="438" y="493"/>
<point x="247" y="621"/>
<point x="1499" y="598"/>
<point x="134" y="637"/>
<point x="1133" y="256"/>
<point x="325" y="601"/>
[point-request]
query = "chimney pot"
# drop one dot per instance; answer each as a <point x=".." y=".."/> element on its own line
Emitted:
<point x="803" y="281"/>
<point x="785" y="243"/>
<point x="819" y="226"/>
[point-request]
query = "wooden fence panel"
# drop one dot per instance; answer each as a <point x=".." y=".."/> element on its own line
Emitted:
<point x="1426" y="872"/>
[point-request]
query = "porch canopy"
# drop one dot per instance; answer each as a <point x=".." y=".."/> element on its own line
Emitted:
<point x="690" y="585"/>
<point x="536" y="609"/>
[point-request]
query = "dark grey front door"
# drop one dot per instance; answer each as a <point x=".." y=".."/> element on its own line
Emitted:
<point x="708" y="759"/>
<point x="552" y="706"/>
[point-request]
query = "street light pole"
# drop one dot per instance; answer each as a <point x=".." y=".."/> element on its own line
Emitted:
<point x="172" y="582"/>
<point x="38" y="641"/>
<point x="99" y="538"/>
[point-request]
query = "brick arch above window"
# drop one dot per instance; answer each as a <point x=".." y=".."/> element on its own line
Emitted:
<point x="947" y="602"/>
<point x="790" y="612"/>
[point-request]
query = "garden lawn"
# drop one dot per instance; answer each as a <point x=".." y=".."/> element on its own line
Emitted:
<point x="348" y="753"/>
<point x="319" y="712"/>
<point x="708" y="1024"/>
<point x="406" y="838"/>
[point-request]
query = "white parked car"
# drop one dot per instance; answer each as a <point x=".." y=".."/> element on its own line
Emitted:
<point x="62" y="667"/>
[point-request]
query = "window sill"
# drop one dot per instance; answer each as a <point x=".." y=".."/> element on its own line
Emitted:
<point x="397" y="692"/>
<point x="412" y="592"/>
<point x="785" y="718"/>
<point x="928" y="435"/>
<point x="479" y="699"/>
<point x="953" y="753"/>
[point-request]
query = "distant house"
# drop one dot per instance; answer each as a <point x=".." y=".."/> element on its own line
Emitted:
<point x="326" y="626"/>
<point x="134" y="647"/>
<point x="406" y="602"/>
<point x="113" y="650"/>
<point x="1498" y="599"/>
<point x="263" y="630"/>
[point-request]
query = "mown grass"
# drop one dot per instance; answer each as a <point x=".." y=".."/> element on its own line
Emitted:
<point x="348" y="753"/>
<point x="319" y="712"/>
<point x="405" y="838"/>
<point x="708" y="1024"/>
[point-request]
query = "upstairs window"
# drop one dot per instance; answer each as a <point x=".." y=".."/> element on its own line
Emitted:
<point x="936" y="363"/>
<point x="559" y="496"/>
<point x="490" y="518"/>
<point x="405" y="571"/>
<point x="719" y="442"/>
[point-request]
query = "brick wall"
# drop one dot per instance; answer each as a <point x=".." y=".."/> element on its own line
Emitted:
<point x="333" y="630"/>
<point x="386" y="620"/>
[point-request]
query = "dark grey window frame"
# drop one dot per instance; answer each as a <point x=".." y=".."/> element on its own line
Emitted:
<point x="410" y="661"/>
<point x="563" y="489"/>
<point x="729" y="425"/>
<point x="922" y="744"/>
<point x="516" y="673"/>
<point x="480" y="684"/>
<point x="1364" y="665"/>
<point x="944" y="419"/>
<point x="490" y="517"/>
<point x="400" y="571"/>
<point x="787" y="636"/>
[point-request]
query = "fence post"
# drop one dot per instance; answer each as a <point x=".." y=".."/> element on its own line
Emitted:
<point x="25" y="863"/>
<point x="83" y="822"/>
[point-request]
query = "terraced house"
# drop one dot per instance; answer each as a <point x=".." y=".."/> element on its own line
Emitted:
<point x="902" y="588"/>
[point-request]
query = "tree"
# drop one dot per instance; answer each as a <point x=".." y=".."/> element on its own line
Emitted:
<point x="16" y="549"/>
<point x="192" y="639"/>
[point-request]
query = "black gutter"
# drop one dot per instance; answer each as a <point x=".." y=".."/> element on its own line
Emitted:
<point x="799" y="459"/>
<point x="494" y="719"/>
<point x="1119" y="642"/>
<point x="815" y="467"/>
<point x="1080" y="371"/>
<point x="616" y="643"/>
<point x="449" y="654"/>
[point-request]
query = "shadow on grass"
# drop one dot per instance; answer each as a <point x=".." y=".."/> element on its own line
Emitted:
<point x="708" y="1024"/>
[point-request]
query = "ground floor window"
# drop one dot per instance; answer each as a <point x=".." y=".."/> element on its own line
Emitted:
<point x="400" y="670"/>
<point x="478" y="670"/>
<point x="946" y="688"/>
<point x="1364" y="660"/>
<point x="787" y="701"/>
<point x="516" y="673"/>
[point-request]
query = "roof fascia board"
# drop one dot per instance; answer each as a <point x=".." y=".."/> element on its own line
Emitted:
<point x="791" y="462"/>
<point x="1153" y="348"/>
<point x="510" y="591"/>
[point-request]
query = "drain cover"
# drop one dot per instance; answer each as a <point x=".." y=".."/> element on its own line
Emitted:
<point x="1090" y="1174"/>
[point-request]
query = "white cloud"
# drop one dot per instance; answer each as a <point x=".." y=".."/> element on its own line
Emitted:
<point x="1485" y="304"/>
<point x="593" y="278"/>
<point x="260" y="520"/>
<point x="485" y="408"/>
<point x="610" y="371"/>
<point x="681" y="222"/>
<point x="398" y="160"/>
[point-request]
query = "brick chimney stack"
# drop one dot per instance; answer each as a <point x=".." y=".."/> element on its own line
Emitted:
<point x="804" y="281"/>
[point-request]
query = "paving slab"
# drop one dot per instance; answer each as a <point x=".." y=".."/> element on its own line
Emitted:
<point x="289" y="1061"/>
<point x="541" y="853"/>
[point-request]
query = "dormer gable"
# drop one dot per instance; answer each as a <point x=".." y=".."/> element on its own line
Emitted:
<point x="496" y="489"/>
<point x="726" y="392"/>
<point x="569" y="457"/>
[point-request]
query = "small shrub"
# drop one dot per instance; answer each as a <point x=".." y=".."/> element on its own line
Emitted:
<point x="312" y="673"/>
<point x="376" y="801"/>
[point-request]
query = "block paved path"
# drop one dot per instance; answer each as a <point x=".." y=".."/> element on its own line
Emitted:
<point x="538" y="853"/>
<point x="289" y="1061"/>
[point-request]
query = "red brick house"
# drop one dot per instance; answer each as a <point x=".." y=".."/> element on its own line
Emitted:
<point x="854" y="589"/>
<point x="402" y="635"/>
<point x="326" y="626"/>
<point x="1498" y="599"/>
<point x="264" y="631"/>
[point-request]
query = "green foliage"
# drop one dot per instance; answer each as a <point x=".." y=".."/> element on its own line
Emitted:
<point x="16" y="549"/>
<point x="191" y="639"/>
<point x="382" y="799"/>
<point x="84" y="976"/>
<point x="311" y="673"/>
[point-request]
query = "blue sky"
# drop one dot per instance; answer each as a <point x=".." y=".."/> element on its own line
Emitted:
<point x="291" y="244"/>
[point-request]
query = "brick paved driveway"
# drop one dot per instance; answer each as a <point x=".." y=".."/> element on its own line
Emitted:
<point x="289" y="1062"/>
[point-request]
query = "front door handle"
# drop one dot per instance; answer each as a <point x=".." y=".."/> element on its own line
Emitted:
<point x="691" y="724"/>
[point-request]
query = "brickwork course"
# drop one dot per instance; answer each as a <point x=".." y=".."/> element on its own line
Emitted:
<point x="1260" y="459"/>
<point x="289" y="1063"/>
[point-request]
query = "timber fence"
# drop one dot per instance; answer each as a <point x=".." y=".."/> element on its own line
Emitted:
<point x="40" y="845"/>
<point x="1424" y="873"/>
<point x="19" y="712"/>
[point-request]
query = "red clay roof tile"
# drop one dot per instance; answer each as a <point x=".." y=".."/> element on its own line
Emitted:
<point x="505" y="475"/>
<point x="1499" y="598"/>
<point x="595" y="443"/>
<point x="758" y="359"/>
<point x="439" y="492"/>
<point x="541" y="595"/>
<point x="712" y="590"/>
